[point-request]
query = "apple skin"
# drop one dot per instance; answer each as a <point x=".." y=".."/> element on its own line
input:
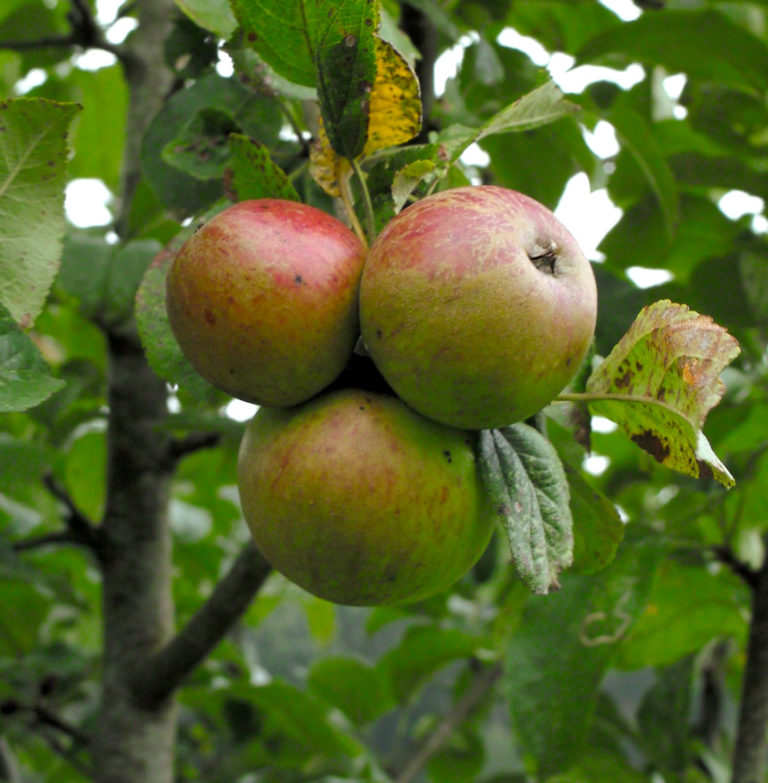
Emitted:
<point x="360" y="500"/>
<point x="477" y="306"/>
<point x="263" y="300"/>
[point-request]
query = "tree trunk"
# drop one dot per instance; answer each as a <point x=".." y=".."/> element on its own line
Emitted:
<point x="749" y="756"/>
<point x="134" y="744"/>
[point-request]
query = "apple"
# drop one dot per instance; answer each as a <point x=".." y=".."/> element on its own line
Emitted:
<point x="263" y="300"/>
<point x="477" y="306"/>
<point x="360" y="500"/>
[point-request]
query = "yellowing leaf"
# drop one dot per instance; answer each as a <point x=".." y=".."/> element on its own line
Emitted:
<point x="325" y="165"/>
<point x="666" y="368"/>
<point x="394" y="116"/>
<point x="395" y="101"/>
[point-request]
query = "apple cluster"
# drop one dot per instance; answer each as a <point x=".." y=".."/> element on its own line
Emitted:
<point x="475" y="305"/>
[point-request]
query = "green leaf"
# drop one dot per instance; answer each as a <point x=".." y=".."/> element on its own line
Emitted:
<point x="561" y="649"/>
<point x="85" y="472"/>
<point x="667" y="367"/>
<point x="637" y="136"/>
<point x="678" y="40"/>
<point x="664" y="718"/>
<point x="33" y="156"/>
<point x="345" y="58"/>
<point x="281" y="32"/>
<point x="422" y="651"/>
<point x="539" y="107"/>
<point x="163" y="352"/>
<point x="359" y="690"/>
<point x="201" y="148"/>
<point x="24" y="609"/>
<point x="526" y="483"/>
<point x="597" y="526"/>
<point x="321" y="619"/>
<point x="213" y="15"/>
<point x="104" y="278"/>
<point x="641" y="237"/>
<point x="407" y="179"/>
<point x="253" y="174"/>
<point x="104" y="97"/>
<point x="687" y="608"/>
<point x="300" y="716"/>
<point x="25" y="378"/>
<point x="257" y="115"/>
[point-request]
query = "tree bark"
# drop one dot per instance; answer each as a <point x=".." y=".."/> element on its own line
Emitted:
<point x="749" y="757"/>
<point x="133" y="744"/>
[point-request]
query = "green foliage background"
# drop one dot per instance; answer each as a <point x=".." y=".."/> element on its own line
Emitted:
<point x="632" y="670"/>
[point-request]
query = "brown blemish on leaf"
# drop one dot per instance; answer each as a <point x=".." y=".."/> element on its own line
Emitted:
<point x="650" y="442"/>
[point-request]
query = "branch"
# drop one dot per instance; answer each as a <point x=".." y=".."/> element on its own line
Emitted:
<point x="181" y="447"/>
<point x="163" y="672"/>
<point x="80" y="529"/>
<point x="9" y="769"/>
<point x="45" y="717"/>
<point x="725" y="555"/>
<point x="47" y="539"/>
<point x="749" y="755"/>
<point x="463" y="708"/>
<point x="85" y="33"/>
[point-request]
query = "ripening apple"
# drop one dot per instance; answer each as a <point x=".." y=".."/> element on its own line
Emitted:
<point x="263" y="300"/>
<point x="362" y="501"/>
<point x="477" y="306"/>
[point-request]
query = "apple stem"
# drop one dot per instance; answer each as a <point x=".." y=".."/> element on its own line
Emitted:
<point x="346" y="198"/>
<point x="369" y="214"/>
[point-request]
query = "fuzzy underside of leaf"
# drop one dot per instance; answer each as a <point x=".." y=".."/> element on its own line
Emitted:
<point x="526" y="484"/>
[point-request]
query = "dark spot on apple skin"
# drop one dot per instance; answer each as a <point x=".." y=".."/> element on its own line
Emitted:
<point x="298" y="279"/>
<point x="209" y="316"/>
<point x="379" y="334"/>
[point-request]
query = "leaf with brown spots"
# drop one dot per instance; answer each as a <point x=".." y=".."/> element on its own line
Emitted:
<point x="392" y="115"/>
<point x="253" y="174"/>
<point x="667" y="366"/>
<point x="345" y="59"/>
<point x="395" y="101"/>
<point x="525" y="482"/>
<point x="325" y="166"/>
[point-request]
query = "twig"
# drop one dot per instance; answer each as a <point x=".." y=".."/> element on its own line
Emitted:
<point x="9" y="769"/>
<point x="47" y="539"/>
<point x="162" y="673"/>
<point x="749" y="755"/>
<point x="85" y="32"/>
<point x="463" y="708"/>
<point x="726" y="555"/>
<point x="181" y="447"/>
<point x="66" y="754"/>
<point x="48" y="718"/>
<point x="80" y="528"/>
